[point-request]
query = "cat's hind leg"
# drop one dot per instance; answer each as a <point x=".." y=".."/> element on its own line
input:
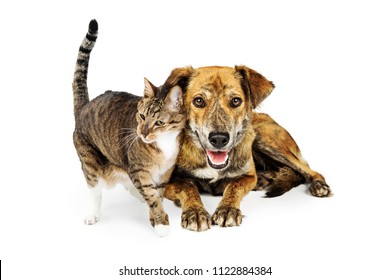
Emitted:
<point x="95" y="201"/>
<point x="92" y="164"/>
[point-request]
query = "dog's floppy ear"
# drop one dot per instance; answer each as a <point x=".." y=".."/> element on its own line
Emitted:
<point x="254" y="84"/>
<point x="179" y="77"/>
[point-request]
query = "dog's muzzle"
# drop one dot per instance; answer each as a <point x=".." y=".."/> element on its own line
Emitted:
<point x="219" y="140"/>
<point x="218" y="158"/>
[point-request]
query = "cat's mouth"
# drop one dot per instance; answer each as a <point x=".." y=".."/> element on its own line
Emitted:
<point x="217" y="159"/>
<point x="145" y="140"/>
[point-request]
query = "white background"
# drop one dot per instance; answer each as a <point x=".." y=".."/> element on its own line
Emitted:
<point x="330" y="63"/>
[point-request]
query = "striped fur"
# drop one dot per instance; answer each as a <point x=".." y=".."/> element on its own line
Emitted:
<point x="123" y="138"/>
<point x="80" y="89"/>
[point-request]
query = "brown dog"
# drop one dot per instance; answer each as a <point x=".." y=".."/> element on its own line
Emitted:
<point x="216" y="154"/>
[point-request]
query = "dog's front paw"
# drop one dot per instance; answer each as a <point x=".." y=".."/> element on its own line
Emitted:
<point x="196" y="219"/>
<point x="226" y="216"/>
<point x="320" y="189"/>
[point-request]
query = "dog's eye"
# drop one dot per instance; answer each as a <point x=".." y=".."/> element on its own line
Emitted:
<point x="142" y="116"/>
<point x="235" y="102"/>
<point x="199" y="102"/>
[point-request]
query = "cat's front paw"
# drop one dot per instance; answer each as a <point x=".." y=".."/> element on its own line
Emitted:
<point x="226" y="216"/>
<point x="196" y="219"/>
<point x="161" y="230"/>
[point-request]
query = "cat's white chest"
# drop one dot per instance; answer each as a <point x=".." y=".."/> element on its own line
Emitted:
<point x="167" y="143"/>
<point x="169" y="147"/>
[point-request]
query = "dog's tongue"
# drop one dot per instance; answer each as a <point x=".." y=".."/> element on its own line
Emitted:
<point x="217" y="158"/>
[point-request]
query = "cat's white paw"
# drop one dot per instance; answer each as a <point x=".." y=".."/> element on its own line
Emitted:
<point x="95" y="200"/>
<point x="161" y="230"/>
<point x="91" y="219"/>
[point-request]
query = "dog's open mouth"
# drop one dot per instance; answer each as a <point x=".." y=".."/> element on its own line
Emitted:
<point x="217" y="159"/>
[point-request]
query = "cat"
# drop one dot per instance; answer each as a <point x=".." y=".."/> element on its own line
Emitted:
<point x="127" y="139"/>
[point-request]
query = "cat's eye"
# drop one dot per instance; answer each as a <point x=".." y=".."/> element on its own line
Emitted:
<point x="199" y="102"/>
<point x="159" y="123"/>
<point x="235" y="102"/>
<point x="142" y="116"/>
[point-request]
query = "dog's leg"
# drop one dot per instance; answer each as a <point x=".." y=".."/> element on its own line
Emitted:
<point x="278" y="182"/>
<point x="274" y="141"/>
<point x="194" y="216"/>
<point x="318" y="186"/>
<point x="228" y="212"/>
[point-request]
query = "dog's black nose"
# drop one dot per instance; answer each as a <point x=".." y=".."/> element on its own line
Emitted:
<point x="219" y="139"/>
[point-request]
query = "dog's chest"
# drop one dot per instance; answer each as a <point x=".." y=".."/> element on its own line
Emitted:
<point x="207" y="173"/>
<point x="213" y="175"/>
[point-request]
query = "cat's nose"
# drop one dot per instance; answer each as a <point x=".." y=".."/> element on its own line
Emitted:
<point x="145" y="131"/>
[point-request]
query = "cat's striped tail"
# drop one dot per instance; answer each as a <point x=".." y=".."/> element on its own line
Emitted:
<point x="80" y="88"/>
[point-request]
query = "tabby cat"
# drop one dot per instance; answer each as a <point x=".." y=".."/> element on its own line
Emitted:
<point x="127" y="139"/>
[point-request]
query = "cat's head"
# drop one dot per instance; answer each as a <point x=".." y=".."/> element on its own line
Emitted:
<point x="159" y="112"/>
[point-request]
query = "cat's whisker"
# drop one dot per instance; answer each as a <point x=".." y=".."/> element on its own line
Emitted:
<point x="129" y="138"/>
<point x="132" y="134"/>
<point x="135" y="139"/>
<point x="125" y="130"/>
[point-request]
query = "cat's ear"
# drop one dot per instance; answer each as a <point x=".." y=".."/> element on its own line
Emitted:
<point x="149" y="90"/>
<point x="174" y="99"/>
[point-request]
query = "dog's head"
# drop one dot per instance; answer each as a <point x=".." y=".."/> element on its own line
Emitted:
<point x="219" y="102"/>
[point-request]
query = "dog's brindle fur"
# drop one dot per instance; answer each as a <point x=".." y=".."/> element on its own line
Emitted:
<point x="279" y="163"/>
<point x="220" y="104"/>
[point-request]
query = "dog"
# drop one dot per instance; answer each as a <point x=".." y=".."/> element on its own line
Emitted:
<point x="228" y="148"/>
